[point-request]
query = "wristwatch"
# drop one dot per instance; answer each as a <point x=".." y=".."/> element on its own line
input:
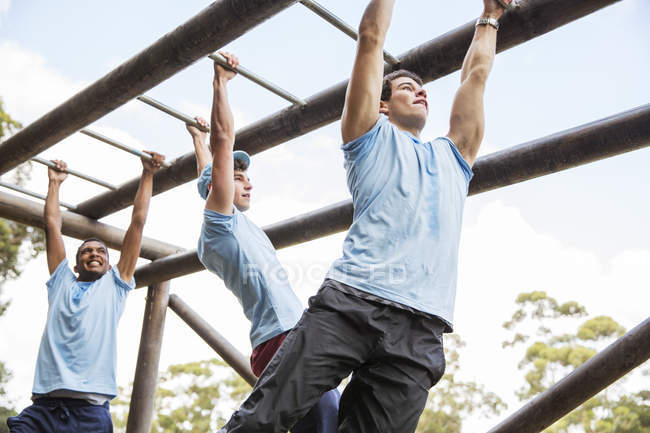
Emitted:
<point x="487" y="21"/>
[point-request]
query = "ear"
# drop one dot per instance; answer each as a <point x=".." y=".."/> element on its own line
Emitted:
<point x="110" y="267"/>
<point x="383" y="108"/>
<point x="76" y="270"/>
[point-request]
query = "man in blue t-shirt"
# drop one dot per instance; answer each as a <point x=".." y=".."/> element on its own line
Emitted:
<point x="384" y="305"/>
<point x="76" y="365"/>
<point x="241" y="254"/>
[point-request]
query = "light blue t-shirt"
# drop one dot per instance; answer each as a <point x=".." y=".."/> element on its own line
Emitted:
<point x="408" y="200"/>
<point x="241" y="254"/>
<point x="78" y="350"/>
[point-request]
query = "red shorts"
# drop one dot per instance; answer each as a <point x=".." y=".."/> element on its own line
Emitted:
<point x="263" y="353"/>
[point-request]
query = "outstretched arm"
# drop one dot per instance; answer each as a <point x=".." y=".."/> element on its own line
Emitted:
<point x="52" y="214"/>
<point x="222" y="139"/>
<point x="467" y="122"/>
<point x="201" y="148"/>
<point x="133" y="237"/>
<point x="361" y="109"/>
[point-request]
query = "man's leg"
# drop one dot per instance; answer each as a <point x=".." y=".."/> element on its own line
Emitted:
<point x="323" y="417"/>
<point x="331" y="340"/>
<point x="388" y="393"/>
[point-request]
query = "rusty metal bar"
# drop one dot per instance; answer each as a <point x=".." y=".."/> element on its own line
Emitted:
<point x="605" y="368"/>
<point x="22" y="190"/>
<point x="77" y="226"/>
<point x="145" y="380"/>
<point x="218" y="342"/>
<point x="121" y="146"/>
<point x="604" y="138"/>
<point x="171" y="111"/>
<point x="215" y="26"/>
<point x="72" y="172"/>
<point x="218" y="58"/>
<point x="432" y="60"/>
<point x="342" y="26"/>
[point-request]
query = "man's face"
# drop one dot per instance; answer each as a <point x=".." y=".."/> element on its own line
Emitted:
<point x="92" y="261"/>
<point x="408" y="106"/>
<point x="243" y="189"/>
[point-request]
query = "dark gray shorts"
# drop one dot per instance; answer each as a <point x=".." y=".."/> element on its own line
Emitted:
<point x="394" y="356"/>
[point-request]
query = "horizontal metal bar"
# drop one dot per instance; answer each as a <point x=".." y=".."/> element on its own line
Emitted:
<point x="172" y="112"/>
<point x="342" y="26"/>
<point x="434" y="59"/>
<point x="77" y="226"/>
<point x="258" y="80"/>
<point x="605" y="368"/>
<point x="218" y="24"/>
<point x="22" y="190"/>
<point x="117" y="144"/>
<point x="76" y="173"/>
<point x="604" y="138"/>
<point x="218" y="342"/>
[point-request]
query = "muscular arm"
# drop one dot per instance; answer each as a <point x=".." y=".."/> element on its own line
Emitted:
<point x="52" y="215"/>
<point x="222" y="139"/>
<point x="467" y="122"/>
<point x="133" y="237"/>
<point x="361" y="109"/>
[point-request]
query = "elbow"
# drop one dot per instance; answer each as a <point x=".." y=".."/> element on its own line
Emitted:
<point x="479" y="74"/>
<point x="369" y="36"/>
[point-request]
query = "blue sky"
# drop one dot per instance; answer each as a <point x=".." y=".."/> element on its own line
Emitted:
<point x="581" y="234"/>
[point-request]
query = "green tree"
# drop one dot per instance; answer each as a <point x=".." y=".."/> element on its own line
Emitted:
<point x="553" y="354"/>
<point x="453" y="400"/>
<point x="18" y="244"/>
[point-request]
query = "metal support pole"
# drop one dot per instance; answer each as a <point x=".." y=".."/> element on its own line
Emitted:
<point x="227" y="351"/>
<point x="117" y="144"/>
<point x="605" y="368"/>
<point x="22" y="190"/>
<point x="171" y="111"/>
<point x="434" y="59"/>
<point x="604" y="138"/>
<point x="76" y="173"/>
<point x="218" y="24"/>
<point x="218" y="58"/>
<point x="78" y="226"/>
<point x="145" y="381"/>
<point x="342" y="26"/>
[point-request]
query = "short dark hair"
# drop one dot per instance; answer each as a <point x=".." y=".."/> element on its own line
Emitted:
<point x="84" y="243"/>
<point x="386" y="87"/>
<point x="240" y="165"/>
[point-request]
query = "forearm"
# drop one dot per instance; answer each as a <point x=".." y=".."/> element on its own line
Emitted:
<point x="142" y="199"/>
<point x="52" y="212"/>
<point x="203" y="156"/>
<point x="222" y="131"/>
<point x="375" y="21"/>
<point x="480" y="56"/>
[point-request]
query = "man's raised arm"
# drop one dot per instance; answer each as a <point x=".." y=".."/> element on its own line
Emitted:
<point x="467" y="122"/>
<point x="133" y="237"/>
<point x="199" y="139"/>
<point x="222" y="139"/>
<point x="361" y="109"/>
<point x="52" y="214"/>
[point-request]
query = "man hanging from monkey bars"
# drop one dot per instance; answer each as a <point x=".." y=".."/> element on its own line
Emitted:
<point x="240" y="253"/>
<point x="385" y="304"/>
<point x="77" y="358"/>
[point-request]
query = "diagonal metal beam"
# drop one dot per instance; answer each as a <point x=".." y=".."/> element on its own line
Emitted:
<point x="605" y="368"/>
<point x="77" y="226"/>
<point x="215" y="26"/>
<point x="432" y="60"/>
<point x="597" y="140"/>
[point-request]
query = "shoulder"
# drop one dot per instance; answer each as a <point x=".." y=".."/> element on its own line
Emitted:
<point x="380" y="129"/>
<point x="114" y="278"/>
<point x="446" y="145"/>
<point x="62" y="275"/>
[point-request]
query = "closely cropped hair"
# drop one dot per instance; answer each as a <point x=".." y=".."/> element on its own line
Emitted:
<point x="240" y="165"/>
<point x="386" y="88"/>
<point x="89" y="240"/>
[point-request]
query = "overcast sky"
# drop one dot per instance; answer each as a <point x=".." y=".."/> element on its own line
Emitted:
<point x="580" y="235"/>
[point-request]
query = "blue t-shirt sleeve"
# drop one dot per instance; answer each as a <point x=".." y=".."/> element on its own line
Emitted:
<point x="61" y="276"/>
<point x="464" y="165"/>
<point x="122" y="286"/>
<point x="360" y="146"/>
<point x="217" y="223"/>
